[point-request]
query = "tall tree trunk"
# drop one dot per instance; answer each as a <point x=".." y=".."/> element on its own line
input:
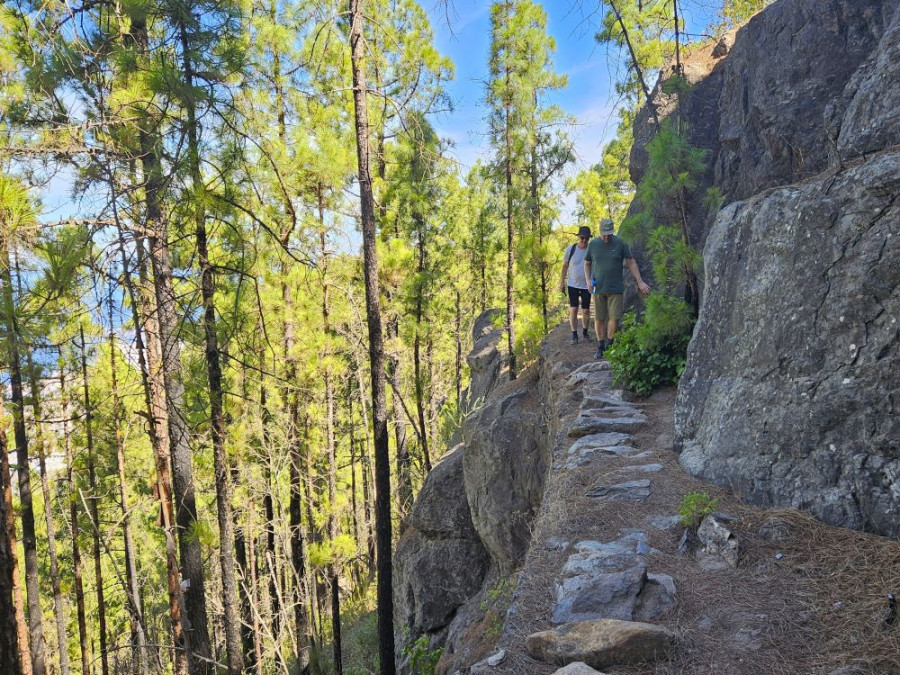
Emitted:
<point x="58" y="602"/>
<point x="196" y="631"/>
<point x="149" y="355"/>
<point x="23" y="468"/>
<point x="367" y="478"/>
<point x="457" y="332"/>
<point x="536" y="223"/>
<point x="404" y="478"/>
<point x="333" y="528"/>
<point x="77" y="581"/>
<point x="138" y="636"/>
<point x="189" y="628"/>
<point x="271" y="557"/>
<point x="376" y="345"/>
<point x="93" y="505"/>
<point x="232" y="619"/>
<point x="417" y="347"/>
<point x="302" y="623"/>
<point x="510" y="242"/>
<point x="10" y="627"/>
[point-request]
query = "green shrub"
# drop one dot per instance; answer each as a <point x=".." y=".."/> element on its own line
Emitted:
<point x="422" y="658"/>
<point x="650" y="354"/>
<point x="695" y="506"/>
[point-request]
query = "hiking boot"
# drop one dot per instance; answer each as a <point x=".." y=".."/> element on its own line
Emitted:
<point x="574" y="340"/>
<point x="600" y="348"/>
<point x="587" y="336"/>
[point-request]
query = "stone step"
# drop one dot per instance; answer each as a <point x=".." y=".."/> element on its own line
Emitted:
<point x="629" y="491"/>
<point x="591" y="424"/>
<point x="601" y="643"/>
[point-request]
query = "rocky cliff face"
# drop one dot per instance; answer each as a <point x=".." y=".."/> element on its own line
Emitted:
<point x="471" y="520"/>
<point x="791" y="390"/>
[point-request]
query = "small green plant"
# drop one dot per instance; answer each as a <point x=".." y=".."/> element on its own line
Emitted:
<point x="650" y="354"/>
<point x="695" y="506"/>
<point x="422" y="658"/>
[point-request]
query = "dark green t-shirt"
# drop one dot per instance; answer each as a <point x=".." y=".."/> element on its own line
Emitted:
<point x="606" y="263"/>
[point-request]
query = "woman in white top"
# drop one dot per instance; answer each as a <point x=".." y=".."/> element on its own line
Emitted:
<point x="572" y="279"/>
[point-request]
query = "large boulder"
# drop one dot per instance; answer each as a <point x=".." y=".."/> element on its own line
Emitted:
<point x="440" y="561"/>
<point x="486" y="358"/>
<point x="505" y="466"/>
<point x="790" y="393"/>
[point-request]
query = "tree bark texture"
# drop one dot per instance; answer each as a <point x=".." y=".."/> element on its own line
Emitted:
<point x="23" y="468"/>
<point x="376" y="345"/>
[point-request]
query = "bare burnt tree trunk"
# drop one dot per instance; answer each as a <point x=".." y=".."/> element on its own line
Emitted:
<point x="93" y="505"/>
<point x="376" y="345"/>
<point x="23" y="468"/>
<point x="9" y="625"/>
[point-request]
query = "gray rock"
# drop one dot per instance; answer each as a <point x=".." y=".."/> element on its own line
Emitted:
<point x="441" y="543"/>
<point x="505" y="468"/>
<point x="871" y="121"/>
<point x="592" y="423"/>
<point x="758" y="109"/>
<point x="432" y="578"/>
<point x="556" y="544"/>
<point x="485" y="360"/>
<point x="629" y="491"/>
<point x="601" y="643"/>
<point x="612" y="595"/>
<point x="719" y="540"/>
<point x="789" y="391"/>
<point x="584" y="372"/>
<point x="488" y="664"/>
<point x="577" y="668"/>
<point x="656" y="598"/>
<point x="600" y="557"/>
<point x="595" y="441"/>
<point x="606" y="399"/>
<point x="663" y="522"/>
<point x="438" y="510"/>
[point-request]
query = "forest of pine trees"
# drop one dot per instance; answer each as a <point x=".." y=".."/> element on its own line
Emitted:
<point x="225" y="381"/>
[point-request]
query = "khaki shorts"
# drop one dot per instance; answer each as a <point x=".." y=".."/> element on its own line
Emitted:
<point x="608" y="306"/>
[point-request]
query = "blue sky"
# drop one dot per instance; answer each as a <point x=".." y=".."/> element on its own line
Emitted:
<point x="462" y="32"/>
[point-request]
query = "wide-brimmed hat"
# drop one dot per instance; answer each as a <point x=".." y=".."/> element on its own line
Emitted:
<point x="606" y="226"/>
<point x="584" y="231"/>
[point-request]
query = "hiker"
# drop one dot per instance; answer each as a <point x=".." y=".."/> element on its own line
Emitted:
<point x="572" y="280"/>
<point x="603" y="275"/>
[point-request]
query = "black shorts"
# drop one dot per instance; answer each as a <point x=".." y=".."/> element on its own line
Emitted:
<point x="579" y="293"/>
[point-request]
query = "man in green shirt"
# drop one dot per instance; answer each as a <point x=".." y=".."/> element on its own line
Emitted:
<point x="603" y="273"/>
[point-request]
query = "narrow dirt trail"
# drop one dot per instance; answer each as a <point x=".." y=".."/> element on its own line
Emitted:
<point x="804" y="598"/>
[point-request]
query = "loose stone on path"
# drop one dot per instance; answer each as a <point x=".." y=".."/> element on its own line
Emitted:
<point x="630" y="491"/>
<point x="601" y="643"/>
